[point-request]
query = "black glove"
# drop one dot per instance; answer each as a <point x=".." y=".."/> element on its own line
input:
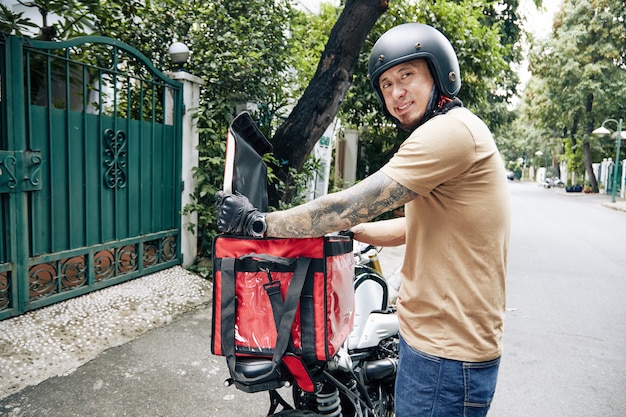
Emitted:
<point x="237" y="216"/>
<point x="348" y="233"/>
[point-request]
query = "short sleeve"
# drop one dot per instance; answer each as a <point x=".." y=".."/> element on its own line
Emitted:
<point x="439" y="151"/>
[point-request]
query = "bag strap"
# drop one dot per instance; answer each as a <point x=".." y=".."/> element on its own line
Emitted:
<point x="272" y="288"/>
<point x="229" y="305"/>
<point x="267" y="263"/>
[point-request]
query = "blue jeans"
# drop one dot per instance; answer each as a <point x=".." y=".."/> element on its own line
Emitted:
<point x="428" y="386"/>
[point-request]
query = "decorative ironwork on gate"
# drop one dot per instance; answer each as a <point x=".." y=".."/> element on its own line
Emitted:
<point x="90" y="169"/>
<point x="115" y="142"/>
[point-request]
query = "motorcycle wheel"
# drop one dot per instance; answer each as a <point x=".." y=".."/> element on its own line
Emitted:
<point x="296" y="413"/>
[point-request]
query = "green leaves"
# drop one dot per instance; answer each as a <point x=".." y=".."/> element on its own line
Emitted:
<point x="579" y="75"/>
<point x="14" y="23"/>
<point x="486" y="39"/>
<point x="242" y="49"/>
<point x="265" y="53"/>
<point x="72" y="18"/>
<point x="243" y="52"/>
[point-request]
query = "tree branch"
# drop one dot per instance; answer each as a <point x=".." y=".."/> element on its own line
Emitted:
<point x="295" y="138"/>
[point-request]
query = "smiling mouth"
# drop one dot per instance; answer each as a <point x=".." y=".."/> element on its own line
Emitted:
<point x="403" y="107"/>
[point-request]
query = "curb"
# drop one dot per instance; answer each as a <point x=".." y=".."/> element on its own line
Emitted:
<point x="619" y="206"/>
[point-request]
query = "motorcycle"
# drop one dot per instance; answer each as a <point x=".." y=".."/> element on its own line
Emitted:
<point x="553" y="182"/>
<point x="360" y="379"/>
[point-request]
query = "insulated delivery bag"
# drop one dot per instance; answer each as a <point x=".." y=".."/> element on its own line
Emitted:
<point x="274" y="298"/>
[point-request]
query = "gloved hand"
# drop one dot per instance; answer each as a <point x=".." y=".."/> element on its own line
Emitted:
<point x="237" y="216"/>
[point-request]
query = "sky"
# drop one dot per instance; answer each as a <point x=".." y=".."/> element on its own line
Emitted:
<point x="314" y="5"/>
<point x="539" y="22"/>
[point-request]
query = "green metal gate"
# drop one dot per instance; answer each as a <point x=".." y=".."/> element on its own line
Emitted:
<point x="90" y="169"/>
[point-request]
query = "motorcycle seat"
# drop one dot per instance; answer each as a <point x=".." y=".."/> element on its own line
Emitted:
<point x="254" y="367"/>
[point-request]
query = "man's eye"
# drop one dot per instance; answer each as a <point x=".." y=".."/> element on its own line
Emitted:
<point x="385" y="85"/>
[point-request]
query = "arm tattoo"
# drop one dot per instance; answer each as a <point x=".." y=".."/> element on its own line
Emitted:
<point x="339" y="211"/>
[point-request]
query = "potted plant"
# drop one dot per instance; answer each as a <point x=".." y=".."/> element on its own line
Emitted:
<point x="574" y="188"/>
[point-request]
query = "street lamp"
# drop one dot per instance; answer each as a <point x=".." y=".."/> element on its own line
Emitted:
<point x="603" y="131"/>
<point x="179" y="54"/>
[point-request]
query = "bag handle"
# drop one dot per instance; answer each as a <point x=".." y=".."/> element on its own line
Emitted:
<point x="271" y="259"/>
<point x="229" y="306"/>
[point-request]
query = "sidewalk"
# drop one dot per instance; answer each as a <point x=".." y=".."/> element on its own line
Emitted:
<point x="137" y="349"/>
<point x="56" y="340"/>
<point x="620" y="203"/>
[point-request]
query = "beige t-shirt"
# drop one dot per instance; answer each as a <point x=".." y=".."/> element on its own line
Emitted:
<point x="452" y="298"/>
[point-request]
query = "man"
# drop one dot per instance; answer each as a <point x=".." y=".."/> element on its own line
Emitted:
<point x="451" y="179"/>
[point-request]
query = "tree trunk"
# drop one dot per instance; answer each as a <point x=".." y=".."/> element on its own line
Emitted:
<point x="296" y="137"/>
<point x="587" y="147"/>
<point x="593" y="182"/>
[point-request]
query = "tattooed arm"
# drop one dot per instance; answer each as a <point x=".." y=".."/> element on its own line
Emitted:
<point x="339" y="211"/>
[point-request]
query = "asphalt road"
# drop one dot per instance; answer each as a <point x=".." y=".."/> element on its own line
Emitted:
<point x="565" y="334"/>
<point x="565" y="328"/>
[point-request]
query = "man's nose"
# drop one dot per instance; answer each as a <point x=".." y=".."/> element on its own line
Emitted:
<point x="398" y="91"/>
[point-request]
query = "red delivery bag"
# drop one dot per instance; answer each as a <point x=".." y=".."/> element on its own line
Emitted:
<point x="274" y="296"/>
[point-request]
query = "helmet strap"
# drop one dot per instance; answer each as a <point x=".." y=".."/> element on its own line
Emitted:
<point x="443" y="100"/>
<point x="432" y="106"/>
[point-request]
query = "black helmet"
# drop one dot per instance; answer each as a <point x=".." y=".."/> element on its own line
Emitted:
<point x="411" y="41"/>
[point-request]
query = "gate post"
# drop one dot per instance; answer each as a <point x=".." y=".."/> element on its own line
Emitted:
<point x="18" y="204"/>
<point x="191" y="100"/>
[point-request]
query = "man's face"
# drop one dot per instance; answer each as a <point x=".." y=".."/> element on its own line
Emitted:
<point x="406" y="90"/>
